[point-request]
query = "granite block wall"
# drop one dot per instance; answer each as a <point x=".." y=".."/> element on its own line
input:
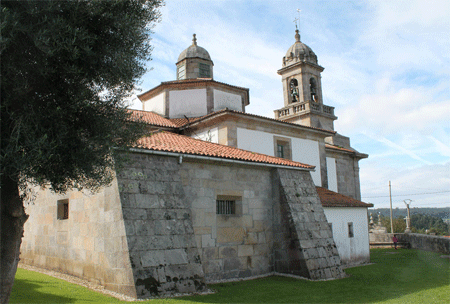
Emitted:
<point x="426" y="242"/>
<point x="90" y="243"/>
<point x="156" y="231"/>
<point x="159" y="231"/>
<point x="230" y="246"/>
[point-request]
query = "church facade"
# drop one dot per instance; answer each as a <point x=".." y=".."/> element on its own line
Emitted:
<point x="214" y="193"/>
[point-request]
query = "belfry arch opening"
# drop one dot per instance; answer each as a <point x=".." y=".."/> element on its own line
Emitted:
<point x="293" y="90"/>
<point x="313" y="89"/>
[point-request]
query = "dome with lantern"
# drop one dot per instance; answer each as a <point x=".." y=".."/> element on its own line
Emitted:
<point x="299" y="52"/>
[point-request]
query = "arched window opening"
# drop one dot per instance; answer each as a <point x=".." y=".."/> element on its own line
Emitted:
<point x="313" y="89"/>
<point x="293" y="88"/>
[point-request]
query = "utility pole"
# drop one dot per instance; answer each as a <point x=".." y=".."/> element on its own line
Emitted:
<point x="390" y="199"/>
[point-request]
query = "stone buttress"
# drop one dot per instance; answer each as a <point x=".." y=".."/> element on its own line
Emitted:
<point x="304" y="242"/>
<point x="162" y="248"/>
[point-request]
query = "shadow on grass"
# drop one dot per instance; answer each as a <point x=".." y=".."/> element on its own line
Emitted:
<point x="394" y="275"/>
<point x="31" y="294"/>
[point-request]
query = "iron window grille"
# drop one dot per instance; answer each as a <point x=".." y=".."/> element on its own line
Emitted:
<point x="226" y="207"/>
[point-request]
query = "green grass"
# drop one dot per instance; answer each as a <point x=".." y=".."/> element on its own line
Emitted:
<point x="402" y="276"/>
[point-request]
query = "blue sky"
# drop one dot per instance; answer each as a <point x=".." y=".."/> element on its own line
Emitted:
<point x="387" y="73"/>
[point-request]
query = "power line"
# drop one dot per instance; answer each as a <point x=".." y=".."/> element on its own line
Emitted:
<point x="408" y="194"/>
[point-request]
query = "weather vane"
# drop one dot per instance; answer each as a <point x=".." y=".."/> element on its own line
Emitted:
<point x="297" y="20"/>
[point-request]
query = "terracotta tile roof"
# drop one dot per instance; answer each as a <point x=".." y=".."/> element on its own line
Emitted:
<point x="189" y="83"/>
<point x="226" y="110"/>
<point x="333" y="199"/>
<point x="171" y="142"/>
<point x="180" y="122"/>
<point x="152" y="118"/>
<point x="339" y="148"/>
<point x="158" y="120"/>
<point x="201" y="80"/>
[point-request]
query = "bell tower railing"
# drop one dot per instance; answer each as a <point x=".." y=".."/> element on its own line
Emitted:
<point x="295" y="109"/>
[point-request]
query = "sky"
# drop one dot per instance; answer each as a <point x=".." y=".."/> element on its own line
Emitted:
<point x="387" y="73"/>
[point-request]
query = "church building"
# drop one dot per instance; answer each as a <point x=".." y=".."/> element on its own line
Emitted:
<point x="214" y="193"/>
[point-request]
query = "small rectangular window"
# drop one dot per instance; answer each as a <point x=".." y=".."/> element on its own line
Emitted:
<point x="204" y="70"/>
<point x="350" y="230"/>
<point x="226" y="207"/>
<point x="282" y="147"/>
<point x="63" y="209"/>
<point x="280" y="151"/>
<point x="181" y="72"/>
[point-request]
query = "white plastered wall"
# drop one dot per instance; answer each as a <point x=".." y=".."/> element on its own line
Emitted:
<point x="352" y="250"/>
<point x="331" y="172"/>
<point x="303" y="150"/>
<point x="224" y="100"/>
<point x="155" y="104"/>
<point x="211" y="135"/>
<point x="307" y="151"/>
<point x="191" y="103"/>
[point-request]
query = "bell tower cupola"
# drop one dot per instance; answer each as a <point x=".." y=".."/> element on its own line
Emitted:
<point x="302" y="88"/>
<point x="194" y="62"/>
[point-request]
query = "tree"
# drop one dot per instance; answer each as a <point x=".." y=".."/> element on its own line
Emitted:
<point x="422" y="222"/>
<point x="398" y="223"/>
<point x="66" y="67"/>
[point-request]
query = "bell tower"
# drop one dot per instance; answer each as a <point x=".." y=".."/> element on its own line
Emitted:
<point x="302" y="89"/>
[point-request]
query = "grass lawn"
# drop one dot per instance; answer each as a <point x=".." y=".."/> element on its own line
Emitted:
<point x="397" y="276"/>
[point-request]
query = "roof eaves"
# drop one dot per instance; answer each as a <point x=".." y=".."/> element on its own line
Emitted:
<point x="226" y="111"/>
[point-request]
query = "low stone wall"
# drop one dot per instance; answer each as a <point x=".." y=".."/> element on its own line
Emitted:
<point x="426" y="242"/>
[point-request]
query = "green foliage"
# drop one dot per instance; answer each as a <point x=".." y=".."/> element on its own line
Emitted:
<point x="396" y="276"/>
<point x="443" y="213"/>
<point x="67" y="67"/>
<point x="419" y="224"/>
<point x="398" y="223"/>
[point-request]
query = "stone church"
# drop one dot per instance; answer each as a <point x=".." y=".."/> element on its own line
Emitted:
<point x="214" y="193"/>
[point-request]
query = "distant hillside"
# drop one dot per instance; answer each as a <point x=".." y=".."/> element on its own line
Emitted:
<point x="443" y="213"/>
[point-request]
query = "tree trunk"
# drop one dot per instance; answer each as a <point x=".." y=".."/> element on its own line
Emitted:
<point x="13" y="218"/>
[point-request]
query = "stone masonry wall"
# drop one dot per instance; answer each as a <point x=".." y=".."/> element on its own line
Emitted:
<point x="305" y="244"/>
<point x="159" y="230"/>
<point x="230" y="246"/>
<point x="90" y="243"/>
<point x="426" y="242"/>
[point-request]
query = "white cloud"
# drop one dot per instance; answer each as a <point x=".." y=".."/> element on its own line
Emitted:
<point x="407" y="184"/>
<point x="395" y="109"/>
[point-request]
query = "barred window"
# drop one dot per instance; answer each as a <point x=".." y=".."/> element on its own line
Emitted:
<point x="63" y="209"/>
<point x="226" y="207"/>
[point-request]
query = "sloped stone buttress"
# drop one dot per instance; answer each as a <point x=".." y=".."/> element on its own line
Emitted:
<point x="304" y="243"/>
<point x="160" y="237"/>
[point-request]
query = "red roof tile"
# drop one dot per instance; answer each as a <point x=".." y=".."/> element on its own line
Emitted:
<point x="189" y="83"/>
<point x="226" y="110"/>
<point x="171" y="142"/>
<point x="339" y="148"/>
<point x="157" y="120"/>
<point x="333" y="199"/>
<point x="152" y="118"/>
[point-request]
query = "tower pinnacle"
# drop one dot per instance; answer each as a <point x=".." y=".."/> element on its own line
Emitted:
<point x="194" y="40"/>
<point x="297" y="36"/>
